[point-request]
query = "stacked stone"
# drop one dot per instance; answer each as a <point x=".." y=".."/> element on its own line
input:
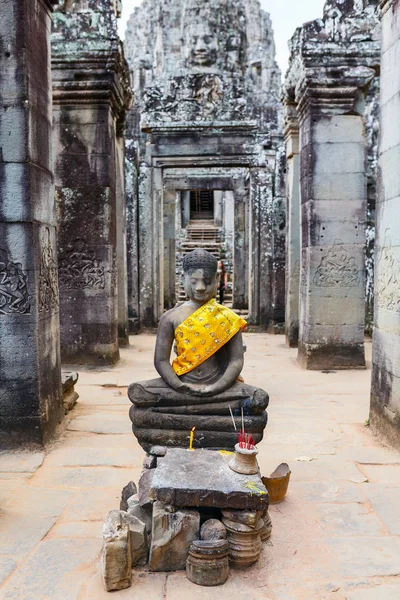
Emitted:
<point x="385" y="395"/>
<point x="206" y="86"/>
<point x="333" y="61"/>
<point x="158" y="525"/>
<point x="91" y="95"/>
<point x="30" y="396"/>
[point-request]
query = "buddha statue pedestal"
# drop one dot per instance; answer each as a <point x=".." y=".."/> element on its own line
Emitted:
<point x="202" y="385"/>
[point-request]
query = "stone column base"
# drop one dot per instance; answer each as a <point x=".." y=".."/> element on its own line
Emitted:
<point x="318" y="357"/>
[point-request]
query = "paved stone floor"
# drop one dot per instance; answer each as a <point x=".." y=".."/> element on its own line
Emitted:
<point x="336" y="536"/>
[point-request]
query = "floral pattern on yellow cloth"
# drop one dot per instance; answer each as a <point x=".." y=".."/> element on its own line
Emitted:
<point x="204" y="333"/>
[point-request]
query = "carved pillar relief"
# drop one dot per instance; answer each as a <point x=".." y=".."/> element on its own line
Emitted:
<point x="385" y="392"/>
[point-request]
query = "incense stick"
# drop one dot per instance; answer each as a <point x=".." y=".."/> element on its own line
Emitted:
<point x="242" y="422"/>
<point x="233" y="420"/>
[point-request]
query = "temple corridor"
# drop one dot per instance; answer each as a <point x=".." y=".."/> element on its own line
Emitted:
<point x="335" y="537"/>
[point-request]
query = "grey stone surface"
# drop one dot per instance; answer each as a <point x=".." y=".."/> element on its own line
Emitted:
<point x="145" y="485"/>
<point x="389" y="591"/>
<point x="116" y="558"/>
<point x="59" y="568"/>
<point x="208" y="96"/>
<point x="333" y="169"/>
<point x="20" y="462"/>
<point x="384" y="500"/>
<point x="213" y="529"/>
<point x="88" y="122"/>
<point x="7" y="566"/>
<point x="172" y="535"/>
<point x="129" y="490"/>
<point x="138" y="539"/>
<point x="203" y="478"/>
<point x="30" y="396"/>
<point x="143" y="514"/>
<point x="385" y="390"/>
<point x="382" y="559"/>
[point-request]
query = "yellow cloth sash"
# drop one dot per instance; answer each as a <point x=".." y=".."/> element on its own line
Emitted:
<point x="204" y="333"/>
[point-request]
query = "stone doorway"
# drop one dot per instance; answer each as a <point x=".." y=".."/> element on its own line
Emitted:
<point x="201" y="205"/>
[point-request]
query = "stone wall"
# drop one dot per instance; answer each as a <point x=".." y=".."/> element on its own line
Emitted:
<point x="30" y="392"/>
<point x="385" y="395"/>
<point x="91" y="95"/>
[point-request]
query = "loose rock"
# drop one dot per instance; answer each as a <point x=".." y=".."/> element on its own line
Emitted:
<point x="172" y="536"/>
<point x="128" y="491"/>
<point x="212" y="530"/>
<point x="116" y="559"/>
<point x="145" y="483"/>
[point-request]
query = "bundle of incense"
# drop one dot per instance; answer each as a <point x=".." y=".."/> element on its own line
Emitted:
<point x="246" y="441"/>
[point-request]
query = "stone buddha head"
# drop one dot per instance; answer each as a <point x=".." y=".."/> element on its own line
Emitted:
<point x="201" y="45"/>
<point x="200" y="275"/>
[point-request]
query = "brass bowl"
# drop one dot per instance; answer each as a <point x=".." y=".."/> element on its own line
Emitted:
<point x="277" y="483"/>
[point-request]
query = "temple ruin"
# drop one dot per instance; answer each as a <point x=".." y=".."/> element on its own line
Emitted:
<point x="118" y="161"/>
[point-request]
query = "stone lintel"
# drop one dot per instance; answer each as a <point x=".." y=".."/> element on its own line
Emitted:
<point x="199" y="478"/>
<point x="216" y="127"/>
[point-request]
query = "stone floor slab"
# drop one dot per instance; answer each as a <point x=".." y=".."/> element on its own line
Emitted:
<point x="85" y="477"/>
<point x="104" y="423"/>
<point x="385" y="500"/>
<point x="20" y="462"/>
<point x="367" y="556"/>
<point x="348" y="519"/>
<point x="55" y="571"/>
<point x="145" y="586"/>
<point x="7" y="566"/>
<point x="376" y="592"/>
<point x="92" y="457"/>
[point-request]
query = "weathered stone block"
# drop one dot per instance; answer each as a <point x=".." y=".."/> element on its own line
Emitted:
<point x="205" y="480"/>
<point x="138" y="539"/>
<point x="143" y="514"/>
<point x="116" y="558"/>
<point x="128" y="491"/>
<point x="172" y="535"/>
<point x="145" y="485"/>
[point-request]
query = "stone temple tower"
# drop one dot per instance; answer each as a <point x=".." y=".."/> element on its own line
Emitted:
<point x="202" y="142"/>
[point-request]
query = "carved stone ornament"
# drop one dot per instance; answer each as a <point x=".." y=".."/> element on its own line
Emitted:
<point x="337" y="269"/>
<point x="80" y="269"/>
<point x="388" y="284"/>
<point x="14" y="296"/>
<point x="48" y="281"/>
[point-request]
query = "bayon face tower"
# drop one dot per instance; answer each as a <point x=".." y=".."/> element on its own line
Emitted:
<point x="202" y="138"/>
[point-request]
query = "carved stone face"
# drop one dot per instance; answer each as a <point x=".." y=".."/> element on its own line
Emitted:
<point x="201" y="46"/>
<point x="200" y="285"/>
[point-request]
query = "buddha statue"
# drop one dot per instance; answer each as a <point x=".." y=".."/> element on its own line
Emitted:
<point x="202" y="385"/>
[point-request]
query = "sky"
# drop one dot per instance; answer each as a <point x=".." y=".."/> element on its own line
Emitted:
<point x="286" y="15"/>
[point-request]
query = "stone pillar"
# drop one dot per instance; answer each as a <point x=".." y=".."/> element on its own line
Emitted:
<point x="293" y="226"/>
<point x="240" y="251"/>
<point x="333" y="214"/>
<point x="261" y="206"/>
<point x="122" y="259"/>
<point x="278" y="232"/>
<point x="30" y="392"/>
<point x="385" y="395"/>
<point x="185" y="200"/>
<point x="91" y="93"/>
<point x="131" y="187"/>
<point x="169" y="236"/>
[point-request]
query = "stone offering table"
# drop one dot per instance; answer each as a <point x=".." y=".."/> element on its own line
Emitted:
<point x="202" y="478"/>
